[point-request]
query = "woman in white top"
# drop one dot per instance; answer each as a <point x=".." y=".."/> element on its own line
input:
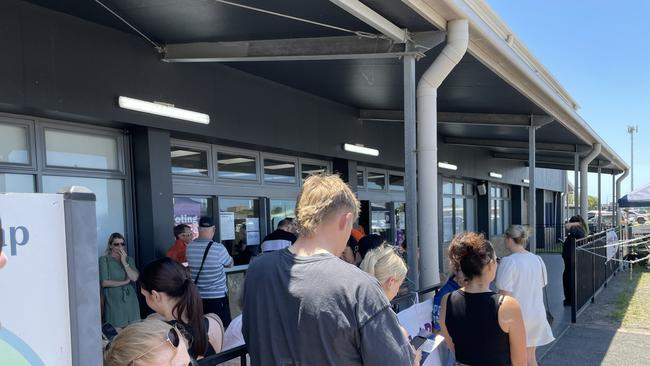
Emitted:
<point x="523" y="275"/>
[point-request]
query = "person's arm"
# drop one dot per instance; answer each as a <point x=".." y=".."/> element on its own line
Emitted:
<point x="512" y="322"/>
<point x="226" y="259"/>
<point x="382" y="341"/>
<point x="129" y="267"/>
<point x="443" y="325"/>
<point x="215" y="332"/>
<point x="104" y="276"/>
<point x="505" y="277"/>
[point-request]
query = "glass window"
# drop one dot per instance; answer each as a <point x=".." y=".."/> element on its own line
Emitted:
<point x="380" y="221"/>
<point x="109" y="205"/>
<point x="188" y="210"/>
<point x="447" y="187"/>
<point x="307" y="169"/>
<point x="17" y="183"/>
<point x="79" y="150"/>
<point x="188" y="161"/>
<point x="459" y="215"/>
<point x="236" y="166"/>
<point x="376" y="180"/>
<point x="447" y="219"/>
<point x="400" y="222"/>
<point x="396" y="182"/>
<point x="459" y="188"/>
<point x="281" y="209"/>
<point x="279" y="171"/>
<point x="239" y="228"/>
<point x="14" y="144"/>
<point x="360" y="181"/>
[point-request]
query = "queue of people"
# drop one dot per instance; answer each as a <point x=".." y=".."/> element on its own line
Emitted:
<point x="326" y="296"/>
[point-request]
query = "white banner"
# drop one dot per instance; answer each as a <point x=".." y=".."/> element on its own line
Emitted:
<point x="417" y="320"/>
<point x="612" y="238"/>
<point x="34" y="302"/>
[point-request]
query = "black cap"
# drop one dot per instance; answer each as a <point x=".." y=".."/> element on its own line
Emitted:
<point x="205" y="221"/>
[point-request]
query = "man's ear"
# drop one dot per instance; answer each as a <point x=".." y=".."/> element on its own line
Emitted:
<point x="345" y="220"/>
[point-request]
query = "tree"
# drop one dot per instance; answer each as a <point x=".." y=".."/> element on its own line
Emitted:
<point x="592" y="202"/>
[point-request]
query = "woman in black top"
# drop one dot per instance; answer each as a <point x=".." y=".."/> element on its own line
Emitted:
<point x="480" y="326"/>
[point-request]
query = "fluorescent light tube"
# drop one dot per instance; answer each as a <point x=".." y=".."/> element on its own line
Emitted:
<point x="160" y="109"/>
<point x="360" y="150"/>
<point x="446" y="165"/>
<point x="526" y="181"/>
<point x="496" y="175"/>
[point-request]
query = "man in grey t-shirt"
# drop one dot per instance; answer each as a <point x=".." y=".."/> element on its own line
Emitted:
<point x="303" y="306"/>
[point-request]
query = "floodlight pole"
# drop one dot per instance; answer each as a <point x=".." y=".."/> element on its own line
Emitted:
<point x="632" y="130"/>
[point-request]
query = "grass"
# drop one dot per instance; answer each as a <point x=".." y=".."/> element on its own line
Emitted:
<point x="631" y="307"/>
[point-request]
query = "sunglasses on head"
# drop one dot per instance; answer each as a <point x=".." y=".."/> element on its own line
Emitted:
<point x="173" y="337"/>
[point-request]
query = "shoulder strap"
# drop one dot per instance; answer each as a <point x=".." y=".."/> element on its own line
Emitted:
<point x="205" y="255"/>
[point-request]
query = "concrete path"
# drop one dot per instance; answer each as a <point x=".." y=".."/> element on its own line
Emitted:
<point x="599" y="338"/>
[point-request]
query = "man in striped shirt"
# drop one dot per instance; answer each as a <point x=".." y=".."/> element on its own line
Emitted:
<point x="208" y="265"/>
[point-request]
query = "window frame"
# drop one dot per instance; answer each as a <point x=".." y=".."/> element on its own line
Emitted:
<point x="216" y="149"/>
<point x="368" y="171"/>
<point x="301" y="161"/>
<point x="30" y="128"/>
<point x="399" y="174"/>
<point x="196" y="146"/>
<point x="284" y="158"/>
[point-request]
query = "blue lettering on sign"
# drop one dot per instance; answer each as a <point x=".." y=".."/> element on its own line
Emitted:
<point x="18" y="236"/>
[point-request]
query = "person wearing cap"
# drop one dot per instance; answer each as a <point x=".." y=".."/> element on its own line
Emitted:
<point x="207" y="260"/>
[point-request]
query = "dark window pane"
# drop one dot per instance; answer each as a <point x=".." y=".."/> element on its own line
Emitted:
<point x="236" y="166"/>
<point x="395" y="182"/>
<point x="376" y="180"/>
<point x="187" y="161"/>
<point x="279" y="171"/>
<point x="309" y="169"/>
<point x="360" y="182"/>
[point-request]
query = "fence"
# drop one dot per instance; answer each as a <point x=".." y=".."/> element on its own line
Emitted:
<point x="591" y="269"/>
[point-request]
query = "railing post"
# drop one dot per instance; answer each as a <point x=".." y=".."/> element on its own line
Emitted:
<point x="573" y="279"/>
<point x="593" y="271"/>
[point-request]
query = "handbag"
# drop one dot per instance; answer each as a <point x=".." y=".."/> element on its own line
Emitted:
<point x="549" y="316"/>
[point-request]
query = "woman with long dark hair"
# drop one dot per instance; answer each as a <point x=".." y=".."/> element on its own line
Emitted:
<point x="480" y="326"/>
<point x="170" y="292"/>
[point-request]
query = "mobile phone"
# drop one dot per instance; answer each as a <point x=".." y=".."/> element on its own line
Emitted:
<point x="417" y="342"/>
<point x="109" y="331"/>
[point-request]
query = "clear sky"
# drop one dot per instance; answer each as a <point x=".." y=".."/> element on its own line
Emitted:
<point x="599" y="51"/>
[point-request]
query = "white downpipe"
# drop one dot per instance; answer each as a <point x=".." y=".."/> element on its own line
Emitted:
<point x="427" y="148"/>
<point x="617" y="196"/>
<point x="584" y="173"/>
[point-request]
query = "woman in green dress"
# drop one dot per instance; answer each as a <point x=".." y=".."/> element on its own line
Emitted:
<point x="116" y="272"/>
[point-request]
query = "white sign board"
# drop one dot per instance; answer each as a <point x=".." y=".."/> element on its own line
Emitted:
<point x="227" y="225"/>
<point x="612" y="238"/>
<point x="34" y="302"/>
<point x="417" y="320"/>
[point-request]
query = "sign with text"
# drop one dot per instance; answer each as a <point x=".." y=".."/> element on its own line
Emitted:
<point x="34" y="299"/>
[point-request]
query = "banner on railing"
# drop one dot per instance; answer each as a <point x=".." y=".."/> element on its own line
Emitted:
<point x="417" y="320"/>
<point x="612" y="239"/>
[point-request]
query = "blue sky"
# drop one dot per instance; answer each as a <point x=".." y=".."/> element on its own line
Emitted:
<point x="599" y="51"/>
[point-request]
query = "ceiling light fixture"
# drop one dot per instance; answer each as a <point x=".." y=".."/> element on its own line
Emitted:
<point x="446" y="165"/>
<point x="360" y="149"/>
<point x="525" y="181"/>
<point x="162" y="109"/>
<point x="496" y="175"/>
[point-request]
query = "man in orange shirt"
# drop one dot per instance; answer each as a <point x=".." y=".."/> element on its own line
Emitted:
<point x="183" y="234"/>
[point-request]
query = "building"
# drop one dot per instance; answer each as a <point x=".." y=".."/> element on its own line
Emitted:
<point x="283" y="97"/>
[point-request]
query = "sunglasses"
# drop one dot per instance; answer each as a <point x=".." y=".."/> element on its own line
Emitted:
<point x="173" y="337"/>
<point x="118" y="244"/>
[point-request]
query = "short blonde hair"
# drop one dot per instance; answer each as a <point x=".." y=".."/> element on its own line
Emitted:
<point x="383" y="263"/>
<point x="518" y="234"/>
<point x="135" y="339"/>
<point x="320" y="196"/>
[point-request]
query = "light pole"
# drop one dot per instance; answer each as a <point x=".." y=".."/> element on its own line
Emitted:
<point x="632" y="130"/>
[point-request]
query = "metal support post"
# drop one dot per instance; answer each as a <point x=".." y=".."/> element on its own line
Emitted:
<point x="576" y="182"/>
<point x="532" y="209"/>
<point x="573" y="280"/>
<point x="600" y="216"/>
<point x="410" y="171"/>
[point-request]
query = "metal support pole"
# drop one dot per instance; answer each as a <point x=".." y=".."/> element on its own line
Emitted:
<point x="532" y="209"/>
<point x="573" y="279"/>
<point x="614" y="211"/>
<point x="600" y="216"/>
<point x="576" y="182"/>
<point x="410" y="171"/>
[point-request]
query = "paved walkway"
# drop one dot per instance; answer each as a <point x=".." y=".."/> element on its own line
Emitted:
<point x="599" y="337"/>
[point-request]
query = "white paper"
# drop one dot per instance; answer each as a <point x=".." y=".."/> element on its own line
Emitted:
<point x="227" y="225"/>
<point x="252" y="237"/>
<point x="253" y="224"/>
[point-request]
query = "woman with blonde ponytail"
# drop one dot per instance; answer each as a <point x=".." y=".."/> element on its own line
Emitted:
<point x="387" y="267"/>
<point x="171" y="293"/>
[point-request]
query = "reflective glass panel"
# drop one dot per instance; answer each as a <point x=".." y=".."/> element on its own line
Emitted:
<point x="360" y="182"/>
<point x="236" y="166"/>
<point x="281" y="209"/>
<point x="239" y="227"/>
<point x="380" y="220"/>
<point x="308" y="169"/>
<point x="395" y="182"/>
<point x="447" y="219"/>
<point x="188" y="210"/>
<point x="14" y="144"/>
<point x="279" y="171"/>
<point x="188" y="161"/>
<point x="376" y="180"/>
<point x="17" y="183"/>
<point x="79" y="150"/>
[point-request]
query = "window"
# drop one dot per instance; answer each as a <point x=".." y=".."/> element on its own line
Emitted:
<point x="189" y="161"/>
<point x="236" y="166"/>
<point x="279" y="171"/>
<point x="188" y="210"/>
<point x="307" y="169"/>
<point x="458" y="212"/>
<point x="14" y="144"/>
<point x="80" y="150"/>
<point x="376" y="180"/>
<point x="499" y="209"/>
<point x="396" y="182"/>
<point x="239" y="227"/>
<point x="380" y="220"/>
<point x="20" y="183"/>
<point x="361" y="183"/>
<point x="400" y="223"/>
<point x="109" y="203"/>
<point x="281" y="209"/>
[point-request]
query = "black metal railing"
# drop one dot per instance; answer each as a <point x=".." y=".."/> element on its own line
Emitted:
<point x="221" y="357"/>
<point x="402" y="302"/>
<point x="591" y="269"/>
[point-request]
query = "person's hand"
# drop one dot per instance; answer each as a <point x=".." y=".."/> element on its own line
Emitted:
<point x="123" y="257"/>
<point x="418" y="358"/>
